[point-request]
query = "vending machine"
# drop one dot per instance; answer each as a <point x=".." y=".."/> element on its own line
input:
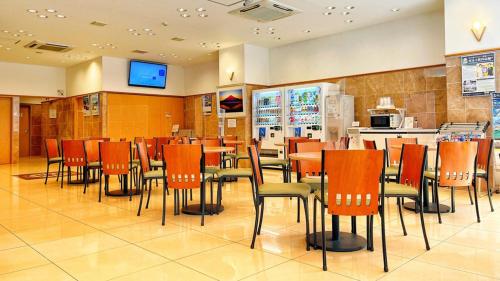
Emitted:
<point x="268" y="121"/>
<point x="305" y="110"/>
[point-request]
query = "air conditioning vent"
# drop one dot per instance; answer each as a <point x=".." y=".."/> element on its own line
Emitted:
<point x="265" y="11"/>
<point x="98" y="23"/>
<point x="139" y="52"/>
<point x="178" y="39"/>
<point x="53" y="47"/>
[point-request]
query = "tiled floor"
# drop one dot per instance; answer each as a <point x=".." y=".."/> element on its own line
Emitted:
<point x="48" y="233"/>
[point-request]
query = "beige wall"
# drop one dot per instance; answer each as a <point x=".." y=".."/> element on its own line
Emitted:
<point x="84" y="78"/>
<point x="201" y="78"/>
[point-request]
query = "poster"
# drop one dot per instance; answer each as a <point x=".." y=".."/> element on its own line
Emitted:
<point x="94" y="104"/>
<point x="206" y="104"/>
<point x="86" y="105"/>
<point x="231" y="123"/>
<point x="232" y="100"/>
<point x="478" y="75"/>
<point x="495" y="102"/>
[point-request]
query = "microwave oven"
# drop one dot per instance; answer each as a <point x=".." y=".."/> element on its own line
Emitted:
<point x="385" y="121"/>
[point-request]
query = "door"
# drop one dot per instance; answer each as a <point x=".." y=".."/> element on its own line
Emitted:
<point x="5" y="129"/>
<point x="24" y="132"/>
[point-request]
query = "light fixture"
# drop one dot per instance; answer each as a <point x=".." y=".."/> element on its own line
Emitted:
<point x="395" y="9"/>
<point x="50" y="10"/>
<point x="165" y="24"/>
<point x="182" y="10"/>
<point x="478" y="29"/>
<point x="345" y="13"/>
<point x="278" y="38"/>
<point x="20" y="31"/>
<point x="33" y="11"/>
<point x="271" y="29"/>
<point x="60" y="16"/>
<point x="147" y="29"/>
<point x="15" y="35"/>
<point x="203" y="15"/>
<point x="201" y="10"/>
<point x="185" y="15"/>
<point x="7" y="49"/>
<point x="307" y="31"/>
<point x="28" y="58"/>
<point x="42" y="16"/>
<point x="349" y="7"/>
<point x="131" y="30"/>
<point x="330" y="8"/>
<point x="113" y="47"/>
<point x="5" y="31"/>
<point x="271" y="32"/>
<point x="29" y="34"/>
<point x="95" y="44"/>
<point x="327" y="13"/>
<point x="257" y="33"/>
<point x="349" y="21"/>
<point x="162" y="55"/>
<point x="136" y="33"/>
<point x="100" y="47"/>
<point x="109" y="44"/>
<point x="151" y="34"/>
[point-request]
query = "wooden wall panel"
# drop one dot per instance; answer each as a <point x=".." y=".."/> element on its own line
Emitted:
<point x="5" y="129"/>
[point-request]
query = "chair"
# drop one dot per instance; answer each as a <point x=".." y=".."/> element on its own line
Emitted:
<point x="263" y="190"/>
<point x="393" y="148"/>
<point x="485" y="146"/>
<point x="185" y="140"/>
<point x="185" y="164"/>
<point x="123" y="139"/>
<point x="344" y="143"/>
<point x="458" y="168"/>
<point x="147" y="174"/>
<point x="413" y="158"/>
<point x="369" y="144"/>
<point x="73" y="154"/>
<point x="275" y="162"/>
<point x="353" y="191"/>
<point x="309" y="171"/>
<point x="92" y="162"/>
<point x="115" y="159"/>
<point x="160" y="141"/>
<point x="152" y="146"/>
<point x="53" y="156"/>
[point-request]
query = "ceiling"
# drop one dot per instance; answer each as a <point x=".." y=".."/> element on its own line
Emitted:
<point x="217" y="30"/>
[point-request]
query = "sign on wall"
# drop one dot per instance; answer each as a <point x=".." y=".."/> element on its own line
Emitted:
<point x="94" y="104"/>
<point x="206" y="104"/>
<point x="495" y="107"/>
<point x="478" y="75"/>
<point x="86" y="105"/>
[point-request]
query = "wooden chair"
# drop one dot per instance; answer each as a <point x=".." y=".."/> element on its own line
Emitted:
<point x="458" y="168"/>
<point x="154" y="162"/>
<point x="413" y="158"/>
<point x="344" y="143"/>
<point x="53" y="156"/>
<point x="92" y="162"/>
<point x="263" y="190"/>
<point x="185" y="140"/>
<point x="73" y="154"/>
<point x="309" y="171"/>
<point x="353" y="190"/>
<point x="185" y="164"/>
<point x="146" y="173"/>
<point x="160" y="141"/>
<point x="485" y="146"/>
<point x="115" y="159"/>
<point x="271" y="163"/>
<point x="393" y="148"/>
<point x="123" y="139"/>
<point x="369" y="144"/>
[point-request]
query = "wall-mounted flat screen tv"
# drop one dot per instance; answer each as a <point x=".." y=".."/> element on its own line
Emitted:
<point x="147" y="74"/>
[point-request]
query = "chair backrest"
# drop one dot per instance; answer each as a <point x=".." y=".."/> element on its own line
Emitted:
<point x="344" y="143"/>
<point x="51" y="148"/>
<point x="92" y="150"/>
<point x="195" y="141"/>
<point x="73" y="152"/>
<point x="123" y="139"/>
<point x="184" y="162"/>
<point x="258" y="179"/>
<point x="369" y="144"/>
<point x="115" y="157"/>
<point x="231" y="138"/>
<point x="485" y="146"/>
<point x="256" y="142"/>
<point x="160" y="141"/>
<point x="175" y="141"/>
<point x="310" y="168"/>
<point x="412" y="165"/>
<point x="151" y="145"/>
<point x="292" y="148"/>
<point x="185" y="140"/>
<point x="100" y="138"/>
<point x="212" y="159"/>
<point x="353" y="181"/>
<point x="142" y="153"/>
<point x="138" y="139"/>
<point x="458" y="163"/>
<point x="393" y="148"/>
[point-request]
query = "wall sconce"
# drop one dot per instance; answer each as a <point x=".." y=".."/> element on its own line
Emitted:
<point x="231" y="76"/>
<point x="478" y="29"/>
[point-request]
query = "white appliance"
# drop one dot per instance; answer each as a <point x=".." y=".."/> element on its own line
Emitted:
<point x="339" y="116"/>
<point x="305" y="109"/>
<point x="268" y="121"/>
<point x="264" y="10"/>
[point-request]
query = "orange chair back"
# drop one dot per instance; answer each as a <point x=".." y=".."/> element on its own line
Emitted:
<point x="353" y="181"/>
<point x="485" y="146"/>
<point x="185" y="140"/>
<point x="123" y="139"/>
<point x="184" y="165"/>
<point x="92" y="150"/>
<point x="51" y="148"/>
<point x="142" y="152"/>
<point x="413" y="158"/>
<point x="151" y="145"/>
<point x="138" y="139"/>
<point x="292" y="148"/>
<point x="212" y="159"/>
<point x="344" y="143"/>
<point x="175" y="141"/>
<point x="458" y="163"/>
<point x="196" y="141"/>
<point x="231" y="138"/>
<point x="393" y="148"/>
<point x="369" y="144"/>
<point x="100" y="138"/>
<point x="115" y="157"/>
<point x="160" y="141"/>
<point x="310" y="168"/>
<point x="73" y="153"/>
<point x="256" y="168"/>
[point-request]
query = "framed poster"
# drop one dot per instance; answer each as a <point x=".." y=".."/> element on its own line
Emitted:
<point x="206" y="104"/>
<point x="495" y="107"/>
<point x="94" y="104"/>
<point x="86" y="105"/>
<point x="478" y="75"/>
<point x="232" y="101"/>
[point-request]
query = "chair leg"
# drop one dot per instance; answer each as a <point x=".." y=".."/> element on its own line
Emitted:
<point x="100" y="185"/>
<point x="401" y="217"/>
<point x="219" y="194"/>
<point x="474" y="182"/>
<point x="62" y="176"/>
<point x="164" y="205"/>
<point x="368" y="233"/>
<point x="58" y="170"/>
<point x="261" y="216"/>
<point x="298" y="209"/>
<point x="436" y="193"/>
<point x="384" y="249"/>
<point x="191" y="195"/>
<point x="142" y="195"/>
<point x="306" y="212"/>
<point x="353" y="225"/>
<point x="256" y="223"/>
<point x="47" y="174"/>
<point x="149" y="195"/>
<point x="424" y="232"/>
<point x="470" y="195"/>
<point x="85" y="177"/>
<point x="315" y="242"/>
<point x="202" y="198"/>
<point x="488" y="190"/>
<point x="453" y="199"/>
<point x="323" y="238"/>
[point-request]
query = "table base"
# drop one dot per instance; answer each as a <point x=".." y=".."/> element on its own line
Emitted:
<point x="431" y="208"/>
<point x="348" y="242"/>
<point x="122" y="193"/>
<point x="195" y="209"/>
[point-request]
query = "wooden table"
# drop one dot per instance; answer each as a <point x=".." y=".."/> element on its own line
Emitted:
<point x="217" y="149"/>
<point x="336" y="241"/>
<point x="234" y="142"/>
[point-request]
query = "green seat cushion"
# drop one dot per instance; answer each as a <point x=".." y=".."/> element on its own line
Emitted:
<point x="317" y="194"/>
<point x="55" y="159"/>
<point x="314" y="182"/>
<point x="395" y="189"/>
<point x="292" y="189"/>
<point x="240" y="172"/>
<point x="95" y="164"/>
<point x="480" y="172"/>
<point x="211" y="170"/>
<point x="136" y="161"/>
<point x="430" y="174"/>
<point x="154" y="174"/>
<point x="392" y="170"/>
<point x="273" y="162"/>
<point x="229" y="156"/>
<point x="156" y="163"/>
<point x="242" y="156"/>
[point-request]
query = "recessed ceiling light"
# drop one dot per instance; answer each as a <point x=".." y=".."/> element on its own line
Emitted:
<point x="395" y="9"/>
<point x="162" y="55"/>
<point x="271" y="32"/>
<point x="165" y="24"/>
<point x="307" y="31"/>
<point x="271" y="28"/>
<point x="151" y="33"/>
<point x="278" y="38"/>
<point x="349" y="7"/>
<point x="182" y="10"/>
<point x="50" y="10"/>
<point x="1" y="46"/>
<point x="348" y="21"/>
<point x="113" y="47"/>
<point x="147" y="29"/>
<point x="8" y="49"/>
<point x="345" y="13"/>
<point x="131" y="30"/>
<point x="203" y="44"/>
<point x="100" y="47"/>
<point x="190" y="59"/>
<point x="20" y="31"/>
<point x="42" y="16"/>
<point x="203" y="15"/>
<point x="330" y="8"/>
<point x="61" y="16"/>
<point x="27" y="57"/>
<point x="5" y="31"/>
<point x="33" y="11"/>
<point x="15" y="35"/>
<point x="185" y="15"/>
<point x="136" y="33"/>
<point x="327" y="13"/>
<point x="109" y="44"/>
<point x="95" y="44"/>
<point x="201" y="10"/>
<point x="29" y="34"/>
<point x="257" y="33"/>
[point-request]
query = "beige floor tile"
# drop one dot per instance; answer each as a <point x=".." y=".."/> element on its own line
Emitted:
<point x="469" y="259"/>
<point x="400" y="245"/>
<point x="296" y="271"/>
<point x="78" y="246"/>
<point x="234" y="229"/>
<point x="9" y="240"/>
<point x="489" y="223"/>
<point x="285" y="243"/>
<point x="62" y="230"/>
<point x="231" y="262"/>
<point x="20" y="258"/>
<point x="416" y="271"/>
<point x="144" y="231"/>
<point x="476" y="238"/>
<point x="40" y="273"/>
<point x="182" y="244"/>
<point x="435" y="230"/>
<point x="169" y="271"/>
<point x="111" y="263"/>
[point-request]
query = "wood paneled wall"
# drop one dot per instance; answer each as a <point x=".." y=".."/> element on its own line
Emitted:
<point x="5" y="129"/>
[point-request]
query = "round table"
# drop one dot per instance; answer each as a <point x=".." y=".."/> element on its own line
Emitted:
<point x="195" y="209"/>
<point x="336" y="241"/>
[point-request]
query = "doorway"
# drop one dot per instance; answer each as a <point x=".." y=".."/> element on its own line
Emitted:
<point x="24" y="131"/>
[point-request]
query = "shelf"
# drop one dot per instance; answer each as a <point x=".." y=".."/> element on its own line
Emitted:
<point x="267" y="106"/>
<point x="305" y="113"/>
<point x="266" y="124"/>
<point x="267" y="115"/>
<point x="304" y="104"/>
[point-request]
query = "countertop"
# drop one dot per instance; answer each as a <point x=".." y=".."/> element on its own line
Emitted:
<point x="363" y="130"/>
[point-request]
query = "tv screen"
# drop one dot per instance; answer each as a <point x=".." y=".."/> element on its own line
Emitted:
<point x="147" y="74"/>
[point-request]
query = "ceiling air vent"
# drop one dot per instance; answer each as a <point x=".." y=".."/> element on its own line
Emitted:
<point x="264" y="11"/>
<point x="53" y="47"/>
<point x="139" y="52"/>
<point x="98" y="23"/>
<point x="178" y="39"/>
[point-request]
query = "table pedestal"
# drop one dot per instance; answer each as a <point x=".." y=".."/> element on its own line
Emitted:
<point x="430" y="208"/>
<point x="347" y="242"/>
<point x="195" y="209"/>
